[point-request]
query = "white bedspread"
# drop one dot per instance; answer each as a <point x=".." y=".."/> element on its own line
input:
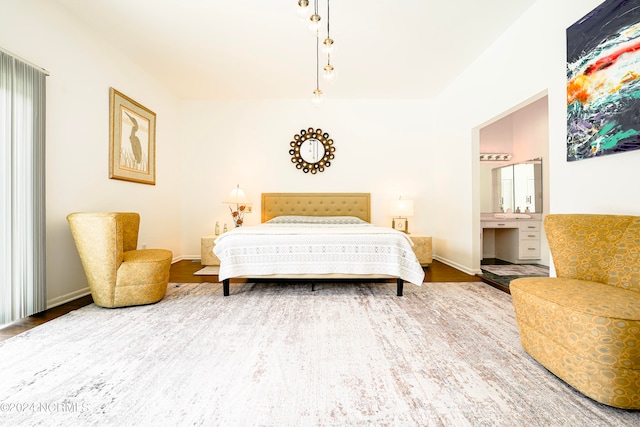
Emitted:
<point x="317" y="249"/>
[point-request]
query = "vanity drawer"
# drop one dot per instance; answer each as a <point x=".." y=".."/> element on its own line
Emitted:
<point x="524" y="235"/>
<point x="530" y="249"/>
<point x="530" y="226"/>
<point x="499" y="224"/>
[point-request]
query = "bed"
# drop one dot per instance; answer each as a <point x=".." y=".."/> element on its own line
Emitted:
<point x="317" y="236"/>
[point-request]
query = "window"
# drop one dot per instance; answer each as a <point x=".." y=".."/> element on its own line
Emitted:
<point x="22" y="189"/>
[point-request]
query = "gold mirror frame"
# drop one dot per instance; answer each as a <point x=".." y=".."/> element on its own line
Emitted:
<point x="312" y="134"/>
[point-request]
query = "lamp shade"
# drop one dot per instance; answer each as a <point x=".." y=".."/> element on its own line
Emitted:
<point x="237" y="197"/>
<point x="401" y="208"/>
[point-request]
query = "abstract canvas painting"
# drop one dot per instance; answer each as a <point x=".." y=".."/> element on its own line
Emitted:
<point x="603" y="81"/>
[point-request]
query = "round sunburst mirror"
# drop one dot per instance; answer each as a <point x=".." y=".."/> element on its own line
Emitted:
<point x="312" y="150"/>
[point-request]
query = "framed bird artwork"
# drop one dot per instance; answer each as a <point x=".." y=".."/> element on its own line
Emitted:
<point x="132" y="140"/>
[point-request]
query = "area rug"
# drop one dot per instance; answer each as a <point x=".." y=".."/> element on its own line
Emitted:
<point x="516" y="270"/>
<point x="444" y="354"/>
<point x="210" y="270"/>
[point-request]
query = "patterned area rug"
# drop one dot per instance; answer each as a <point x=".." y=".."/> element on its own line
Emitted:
<point x="516" y="270"/>
<point x="445" y="354"/>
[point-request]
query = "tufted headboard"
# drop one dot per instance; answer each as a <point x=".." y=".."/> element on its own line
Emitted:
<point x="316" y="204"/>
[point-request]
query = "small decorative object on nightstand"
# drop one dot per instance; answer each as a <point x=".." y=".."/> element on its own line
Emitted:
<point x="400" y="209"/>
<point x="239" y="198"/>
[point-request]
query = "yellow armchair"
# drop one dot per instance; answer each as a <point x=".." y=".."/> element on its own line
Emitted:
<point x="118" y="274"/>
<point x="584" y="324"/>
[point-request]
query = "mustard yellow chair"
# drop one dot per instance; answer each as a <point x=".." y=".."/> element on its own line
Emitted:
<point x="584" y="324"/>
<point x="117" y="273"/>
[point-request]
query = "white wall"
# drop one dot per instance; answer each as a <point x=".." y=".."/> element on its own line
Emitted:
<point x="82" y="69"/>
<point x="528" y="60"/>
<point x="497" y="137"/>
<point x="382" y="147"/>
<point x="531" y="131"/>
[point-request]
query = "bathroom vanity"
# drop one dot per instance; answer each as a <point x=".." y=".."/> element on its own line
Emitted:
<point x="516" y="240"/>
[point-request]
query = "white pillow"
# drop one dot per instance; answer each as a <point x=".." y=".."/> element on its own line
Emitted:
<point x="302" y="219"/>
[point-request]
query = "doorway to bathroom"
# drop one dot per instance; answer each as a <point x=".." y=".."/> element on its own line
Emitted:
<point x="513" y="201"/>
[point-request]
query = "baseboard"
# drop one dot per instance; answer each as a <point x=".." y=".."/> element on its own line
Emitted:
<point x="457" y="266"/>
<point x="63" y="299"/>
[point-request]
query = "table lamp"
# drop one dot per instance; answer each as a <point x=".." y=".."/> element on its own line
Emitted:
<point x="239" y="198"/>
<point x="401" y="209"/>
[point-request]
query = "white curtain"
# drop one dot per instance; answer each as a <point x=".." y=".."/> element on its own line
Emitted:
<point x="22" y="189"/>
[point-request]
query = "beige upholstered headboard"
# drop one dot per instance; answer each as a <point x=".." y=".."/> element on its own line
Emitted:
<point x="316" y="204"/>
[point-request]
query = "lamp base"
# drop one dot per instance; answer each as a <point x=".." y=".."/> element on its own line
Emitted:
<point x="400" y="224"/>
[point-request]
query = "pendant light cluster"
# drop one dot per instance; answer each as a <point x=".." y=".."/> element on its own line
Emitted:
<point x="311" y="16"/>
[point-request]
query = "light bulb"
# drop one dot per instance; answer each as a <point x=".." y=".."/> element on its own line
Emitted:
<point x="329" y="73"/>
<point x="314" y="24"/>
<point x="303" y="10"/>
<point x="317" y="97"/>
<point x="328" y="46"/>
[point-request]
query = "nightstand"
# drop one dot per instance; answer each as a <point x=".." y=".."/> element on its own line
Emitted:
<point x="207" y="257"/>
<point x="422" y="248"/>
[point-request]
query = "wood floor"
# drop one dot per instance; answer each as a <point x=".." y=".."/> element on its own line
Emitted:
<point x="182" y="272"/>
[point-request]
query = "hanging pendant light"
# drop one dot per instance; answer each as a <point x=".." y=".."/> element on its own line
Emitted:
<point x="314" y="20"/>
<point x="328" y="71"/>
<point x="318" y="96"/>
<point x="303" y="10"/>
<point x="328" y="45"/>
<point x="314" y="25"/>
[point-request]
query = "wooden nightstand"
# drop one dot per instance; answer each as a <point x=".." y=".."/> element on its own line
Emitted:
<point x="422" y="248"/>
<point x="207" y="257"/>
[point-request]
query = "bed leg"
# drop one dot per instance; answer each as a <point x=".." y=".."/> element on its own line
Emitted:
<point x="225" y="287"/>
<point x="400" y="286"/>
<point x="313" y="286"/>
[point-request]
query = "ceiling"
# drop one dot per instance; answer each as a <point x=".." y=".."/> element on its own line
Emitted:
<point x="242" y="49"/>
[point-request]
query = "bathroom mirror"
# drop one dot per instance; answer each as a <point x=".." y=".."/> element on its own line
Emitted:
<point x="312" y="150"/>
<point x="518" y="187"/>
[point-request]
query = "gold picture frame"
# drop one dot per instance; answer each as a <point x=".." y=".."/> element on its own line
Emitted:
<point x="132" y="140"/>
